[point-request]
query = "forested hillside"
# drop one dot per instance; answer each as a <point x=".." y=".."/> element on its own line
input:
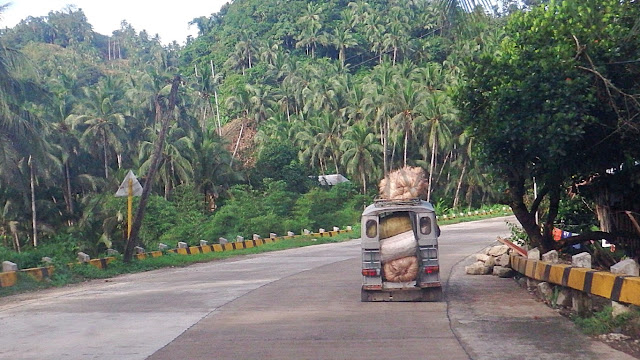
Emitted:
<point x="271" y="92"/>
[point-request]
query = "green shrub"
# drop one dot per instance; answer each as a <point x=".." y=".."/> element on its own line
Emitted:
<point x="603" y="321"/>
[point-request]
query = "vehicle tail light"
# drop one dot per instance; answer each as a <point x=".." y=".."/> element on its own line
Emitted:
<point x="431" y="269"/>
<point x="371" y="272"/>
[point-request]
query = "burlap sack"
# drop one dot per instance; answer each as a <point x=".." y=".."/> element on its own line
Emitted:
<point x="398" y="246"/>
<point x="394" y="224"/>
<point x="402" y="184"/>
<point x="401" y="270"/>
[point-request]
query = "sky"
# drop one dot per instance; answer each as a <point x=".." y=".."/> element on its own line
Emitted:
<point x="170" y="19"/>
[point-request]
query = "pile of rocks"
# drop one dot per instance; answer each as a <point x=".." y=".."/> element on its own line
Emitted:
<point x="493" y="260"/>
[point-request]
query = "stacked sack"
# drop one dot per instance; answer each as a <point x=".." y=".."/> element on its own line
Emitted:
<point x="403" y="184"/>
<point x="398" y="245"/>
<point x="398" y="248"/>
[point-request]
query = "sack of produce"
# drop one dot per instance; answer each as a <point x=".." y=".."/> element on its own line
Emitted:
<point x="398" y="246"/>
<point x="401" y="270"/>
<point x="394" y="224"/>
<point x="402" y="184"/>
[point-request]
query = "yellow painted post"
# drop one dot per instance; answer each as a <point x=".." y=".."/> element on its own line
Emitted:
<point x="129" y="208"/>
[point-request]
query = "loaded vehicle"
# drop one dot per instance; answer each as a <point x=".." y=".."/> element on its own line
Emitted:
<point x="400" y="251"/>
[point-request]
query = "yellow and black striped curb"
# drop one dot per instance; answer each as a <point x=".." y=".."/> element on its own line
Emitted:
<point x="11" y="278"/>
<point x="473" y="213"/>
<point x="621" y="288"/>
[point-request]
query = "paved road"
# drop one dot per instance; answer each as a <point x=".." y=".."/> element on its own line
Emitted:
<point x="294" y="304"/>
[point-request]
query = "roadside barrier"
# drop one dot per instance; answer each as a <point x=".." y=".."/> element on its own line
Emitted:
<point x="620" y="288"/>
<point x="10" y="278"/>
<point x="506" y="210"/>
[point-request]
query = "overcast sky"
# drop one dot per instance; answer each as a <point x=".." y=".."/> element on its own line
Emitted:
<point x="170" y="18"/>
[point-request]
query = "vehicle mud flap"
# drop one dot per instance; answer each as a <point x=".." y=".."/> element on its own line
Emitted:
<point x="427" y="294"/>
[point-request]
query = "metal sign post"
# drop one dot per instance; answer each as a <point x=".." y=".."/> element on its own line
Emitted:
<point x="130" y="187"/>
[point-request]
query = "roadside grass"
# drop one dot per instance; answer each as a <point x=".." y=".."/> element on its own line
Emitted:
<point x="456" y="220"/>
<point x="603" y="322"/>
<point x="65" y="275"/>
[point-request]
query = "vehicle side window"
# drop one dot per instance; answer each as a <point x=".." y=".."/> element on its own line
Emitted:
<point x="372" y="228"/>
<point x="425" y="225"/>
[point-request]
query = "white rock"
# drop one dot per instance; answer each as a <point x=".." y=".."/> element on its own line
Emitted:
<point x="8" y="266"/>
<point x="550" y="257"/>
<point x="614" y="337"/>
<point x="491" y="261"/>
<point x="618" y="309"/>
<point x="482" y="257"/>
<point x="545" y="290"/>
<point x="503" y="272"/>
<point x="564" y="298"/>
<point x="478" y="268"/>
<point x="533" y="254"/>
<point x="626" y="267"/>
<point x="498" y="250"/>
<point x="82" y="257"/>
<point x="503" y="260"/>
<point x="582" y="260"/>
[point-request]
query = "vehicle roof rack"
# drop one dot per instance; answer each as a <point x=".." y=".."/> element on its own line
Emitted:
<point x="396" y="202"/>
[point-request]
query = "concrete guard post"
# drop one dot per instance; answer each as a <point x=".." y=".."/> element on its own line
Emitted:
<point x="581" y="280"/>
<point x="625" y="267"/>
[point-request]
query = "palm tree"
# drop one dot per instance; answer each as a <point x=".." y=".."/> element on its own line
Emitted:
<point x="377" y="104"/>
<point x="175" y="166"/>
<point x="212" y="171"/>
<point x="105" y="125"/>
<point x="321" y="140"/>
<point x="395" y="38"/>
<point x="207" y="84"/>
<point x="342" y="38"/>
<point x="261" y="102"/>
<point x="375" y="32"/>
<point x="239" y="103"/>
<point x="406" y="102"/>
<point x="311" y="24"/>
<point x="67" y="139"/>
<point x="360" y="149"/>
<point x="439" y="114"/>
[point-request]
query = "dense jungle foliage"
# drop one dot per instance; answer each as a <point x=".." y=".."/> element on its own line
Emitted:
<point x="352" y="87"/>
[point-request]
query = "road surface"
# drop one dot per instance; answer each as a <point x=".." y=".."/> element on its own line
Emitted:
<point x="294" y="304"/>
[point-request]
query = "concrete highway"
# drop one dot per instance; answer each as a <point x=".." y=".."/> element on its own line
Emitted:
<point x="294" y="304"/>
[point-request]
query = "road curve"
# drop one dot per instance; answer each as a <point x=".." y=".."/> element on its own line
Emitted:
<point x="294" y="304"/>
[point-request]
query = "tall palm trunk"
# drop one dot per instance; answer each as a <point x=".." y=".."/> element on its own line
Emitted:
<point x="32" y="180"/>
<point x="104" y="147"/>
<point x="215" y="95"/>
<point x="406" y="140"/>
<point x="364" y="182"/>
<point x="165" y="118"/>
<point x="68" y="196"/>
<point x="457" y="196"/>
<point x="431" y="167"/>
<point x="235" y="150"/>
<point x="13" y="228"/>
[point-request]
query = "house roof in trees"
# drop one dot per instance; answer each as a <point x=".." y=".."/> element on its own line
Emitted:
<point x="332" y="179"/>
